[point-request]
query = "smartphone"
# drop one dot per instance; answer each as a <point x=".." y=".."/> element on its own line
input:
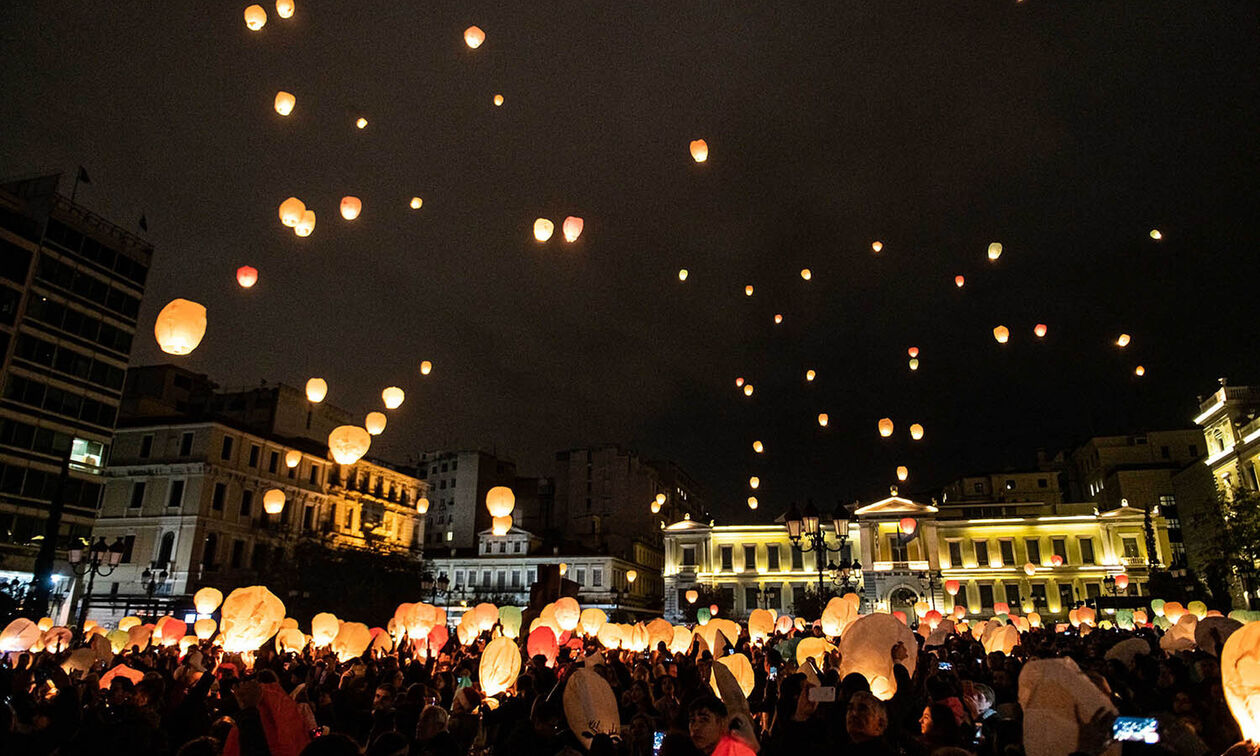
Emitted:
<point x="1136" y="729"/>
<point x="774" y="674"/>
<point x="658" y="740"/>
<point x="822" y="694"/>
<point x="944" y="665"/>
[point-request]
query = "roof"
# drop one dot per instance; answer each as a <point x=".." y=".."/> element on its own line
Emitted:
<point x="894" y="505"/>
<point x="686" y="523"/>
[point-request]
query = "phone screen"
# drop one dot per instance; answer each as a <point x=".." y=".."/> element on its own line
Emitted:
<point x="944" y="665"/>
<point x="658" y="740"/>
<point x="774" y="673"/>
<point x="1136" y="729"/>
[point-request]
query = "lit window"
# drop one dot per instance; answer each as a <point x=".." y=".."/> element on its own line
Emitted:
<point x="86" y="455"/>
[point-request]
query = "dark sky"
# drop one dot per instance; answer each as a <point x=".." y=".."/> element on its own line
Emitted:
<point x="1064" y="130"/>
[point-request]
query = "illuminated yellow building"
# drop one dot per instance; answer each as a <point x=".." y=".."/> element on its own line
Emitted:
<point x="1231" y="427"/>
<point x="910" y="551"/>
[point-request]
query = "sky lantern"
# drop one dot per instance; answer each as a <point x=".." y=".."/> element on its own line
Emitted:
<point x="748" y="389"/>
<point x="1122" y="581"/>
<point x="592" y="620"/>
<point x="246" y="276"/>
<point x="374" y="423"/>
<point x="959" y="280"/>
<point x="393" y="397"/>
<point x="180" y="326"/>
<point x="206" y="600"/>
<point x="995" y="251"/>
<point x="273" y="501"/>
<point x="1039" y="330"/>
<point x="655" y="506"/>
<point x="877" y="247"/>
<point x="250" y="617"/>
<point x="361" y="123"/>
<point x="316" y="390"/>
<point x="306" y="225"/>
<point x="500" y="501"/>
<point x="758" y="447"/>
<point x="916" y="432"/>
<point x="324" y="627"/>
<point x="422" y="505"/>
<point x="754" y="482"/>
<point x="902" y="472"/>
<point x="1030" y="569"/>
<point x="908" y="525"/>
<point x="205" y="628"/>
<point x="255" y="17"/>
<point x="284" y="8"/>
<point x="416" y="203"/>
<point x="351" y="207"/>
<point x="631" y="576"/>
<point x="699" y="150"/>
<point x="660" y="498"/>
<point x="752" y="502"/>
<point x="564" y="568"/>
<point x="810" y="375"/>
<point x="348" y="444"/>
<point x="568" y="613"/>
<point x="913" y="351"/>
<point x="1156" y="234"/>
<point x="498" y="100"/>
<point x="1002" y="334"/>
<point x="543" y="229"/>
<point x="426" y="367"/>
<point x="1139" y="371"/>
<point x="682" y="274"/>
<point x="914" y="364"/>
<point x="778" y="318"/>
<point x="1056" y="560"/>
<point x="500" y="526"/>
<point x="474" y="36"/>
<point x="291" y="211"/>
<point x="1240" y="660"/>
<point x="806" y="273"/>
<point x="822" y="419"/>
<point x="886" y="427"/>
<point x="284" y="102"/>
<point x="572" y="228"/>
<point x="1123" y="341"/>
<point x="692" y="596"/>
<point x="748" y="290"/>
<point x="952" y="586"/>
<point x="739" y="382"/>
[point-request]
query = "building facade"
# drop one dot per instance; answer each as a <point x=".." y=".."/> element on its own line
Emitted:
<point x="71" y="284"/>
<point x="457" y="484"/>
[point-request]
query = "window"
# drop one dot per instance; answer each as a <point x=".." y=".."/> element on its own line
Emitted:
<point x="581" y="576"/>
<point x="226" y="451"/>
<point x="314" y="477"/>
<point x="516" y="547"/>
<point x="502" y="547"/>
<point x="1087" y="551"/>
<point x="1033" y="546"/>
<point x="254" y="451"/>
<point x="166" y="549"/>
<point x="185" y="444"/>
<point x="273" y="461"/>
<point x="955" y="554"/>
<point x="247" y="503"/>
<point x="137" y="494"/>
<point x="982" y="555"/>
<point x="146" y="445"/>
<point x="485" y="578"/>
<point x="220" y="493"/>
<point x="750" y="557"/>
<point x="1042" y="483"/>
<point x="986" y="597"/>
<point x="597" y="576"/>
<point x="502" y="579"/>
<point x="516" y="578"/>
<point x="1039" y="597"/>
<point x="1007" y="547"/>
<point x="772" y="557"/>
<point x="798" y="559"/>
<point x="459" y="578"/>
<point x="896" y="549"/>
<point x="308" y="518"/>
<point x="1067" y="598"/>
<point x="1012" y="598"/>
<point x="750" y="598"/>
<point x="1058" y="547"/>
<point x="208" y="551"/>
<point x="1130" y="548"/>
<point x="727" y="553"/>
<point x="689" y="556"/>
<point x="1092" y="590"/>
<point x="238" y="553"/>
<point x="176" y="496"/>
<point x="529" y="577"/>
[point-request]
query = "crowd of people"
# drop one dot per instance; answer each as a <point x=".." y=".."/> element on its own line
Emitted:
<point x="202" y="701"/>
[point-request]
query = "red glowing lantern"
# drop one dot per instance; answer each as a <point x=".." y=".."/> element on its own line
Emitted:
<point x="1056" y="560"/>
<point x="909" y="525"/>
<point x="1001" y="607"/>
<point x="959" y="281"/>
<point x="739" y="382"/>
<point x="713" y="610"/>
<point x="952" y="586"/>
<point x="913" y="351"/>
<point x="1122" y="581"/>
<point x="1040" y="330"/>
<point x="246" y="276"/>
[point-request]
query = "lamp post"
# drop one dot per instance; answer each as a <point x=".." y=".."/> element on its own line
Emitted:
<point x="100" y="560"/>
<point x="153" y="578"/>
<point x="933" y="578"/>
<point x="846" y="574"/>
<point x="435" y="587"/>
<point x="807" y="534"/>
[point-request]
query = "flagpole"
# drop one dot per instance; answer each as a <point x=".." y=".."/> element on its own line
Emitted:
<point x="75" y="189"/>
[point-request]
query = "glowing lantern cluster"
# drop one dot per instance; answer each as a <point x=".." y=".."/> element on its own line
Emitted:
<point x="572" y="228"/>
<point x="886" y="427"/>
<point x="1002" y="334"/>
<point x="284" y="102"/>
<point x="916" y="432"/>
<point x="351" y="207"/>
<point x="246" y="276"/>
<point x="699" y="150"/>
<point x="374" y="423"/>
<point x="393" y="397"/>
<point x="995" y="251"/>
<point x="273" y="501"/>
<point x="348" y="444"/>
<point x="316" y="390"/>
<point x="543" y="229"/>
<point x="474" y="37"/>
<point x="180" y="326"/>
<point x="255" y="17"/>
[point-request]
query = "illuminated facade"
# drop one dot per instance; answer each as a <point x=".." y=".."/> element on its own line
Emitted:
<point x="909" y="551"/>
<point x="1230" y="419"/>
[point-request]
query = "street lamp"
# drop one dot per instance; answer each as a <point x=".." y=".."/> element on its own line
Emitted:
<point x="101" y="560"/>
<point x="152" y="578"/>
<point x="805" y="531"/>
<point x="846" y="574"/>
<point x="435" y="587"/>
<point x="933" y="578"/>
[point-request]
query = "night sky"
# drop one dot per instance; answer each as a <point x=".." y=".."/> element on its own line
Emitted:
<point x="1064" y="130"/>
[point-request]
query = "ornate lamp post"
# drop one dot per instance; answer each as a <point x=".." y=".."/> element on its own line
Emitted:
<point x="440" y="586"/>
<point x="153" y="578"/>
<point x="807" y="534"/>
<point x="933" y="578"/>
<point x="100" y="560"/>
<point x="846" y="574"/>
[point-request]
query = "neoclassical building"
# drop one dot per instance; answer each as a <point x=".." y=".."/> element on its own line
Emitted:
<point x="1032" y="555"/>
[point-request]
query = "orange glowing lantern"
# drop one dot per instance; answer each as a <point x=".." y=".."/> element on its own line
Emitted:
<point x="284" y="102"/>
<point x="995" y="251"/>
<point x="284" y="8"/>
<point x="877" y="246"/>
<point x="498" y="100"/>
<point x="748" y="389"/>
<point x="348" y="443"/>
<point x="180" y="326"/>
<point x="806" y="273"/>
<point x="351" y="207"/>
<point x="393" y="397"/>
<point x="306" y="225"/>
<point x="754" y="482"/>
<point x="1122" y="581"/>
<point x="1002" y="334"/>
<point x="572" y="228"/>
<point x="752" y="502"/>
<point x="810" y="375"/>
<point x="916" y="432"/>
<point x="682" y="274"/>
<point x="886" y="427"/>
<point x="1039" y="330"/>
<point x="903" y="472"/>
<point x="908" y="525"/>
<point x="952" y="586"/>
<point x="246" y="276"/>
<point x="699" y="150"/>
<point x="273" y="501"/>
<point x="474" y="36"/>
<point x="1139" y="371"/>
<point x="374" y="423"/>
<point x="291" y="211"/>
<point x="1123" y="341"/>
<point x="822" y="419"/>
<point x="959" y="281"/>
<point x="1056" y="560"/>
<point x="416" y="203"/>
<point x="692" y="596"/>
<point x="543" y="229"/>
<point x="1030" y="569"/>
<point x="255" y="17"/>
<point x="422" y="505"/>
<point x="500" y="501"/>
<point x="316" y="390"/>
<point x="748" y="290"/>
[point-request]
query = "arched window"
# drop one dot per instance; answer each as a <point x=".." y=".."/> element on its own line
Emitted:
<point x="166" y="549"/>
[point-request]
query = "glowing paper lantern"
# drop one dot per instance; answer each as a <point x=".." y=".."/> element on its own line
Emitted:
<point x="255" y="17"/>
<point x="591" y="620"/>
<point x="290" y="641"/>
<point x="1056" y="560"/>
<point x="655" y="506"/>
<point x="1123" y="341"/>
<point x="748" y="290"/>
<point x="682" y="274"/>
<point x="126" y="623"/>
<point x="699" y="150"/>
<point x="353" y="638"/>
<point x="324" y="628"/>
<point x="500" y="664"/>
<point x="837" y="615"/>
<point x="1122" y="581"/>
<point x="960" y="611"/>
<point x="180" y="326"/>
<point x="914" y="364"/>
<point x="659" y="631"/>
<point x="291" y="211"/>
<point x="913" y="351"/>
<point x="752" y="502"/>
<point x="568" y="613"/>
<point x="292" y="458"/>
<point x="692" y="596"/>
<point x="778" y="319"/>
<point x="500" y="526"/>
<point x="374" y="423"/>
<point x="204" y="628"/>
<point x="1039" y="330"/>
<point x="206" y="600"/>
<point x="877" y="247"/>
<point x="246" y="276"/>
<point x="1001" y="639"/>
<point x="273" y="501"/>
<point x="474" y="36"/>
<point x="284" y="8"/>
<point x="543" y="229"/>
<point x="498" y="100"/>
<point x="822" y="419"/>
<point x="631" y="576"/>
<point x="916" y="432"/>
<point x="416" y="203"/>
<point x="1002" y="334"/>
<point x="959" y="281"/>
<point x="1001" y="607"/>
<point x="250" y="617"/>
<point x="758" y="447"/>
<point x="760" y="624"/>
<point x="542" y="642"/>
<point x="741" y="669"/>
<point x="361" y="123"/>
<point x="284" y="103"/>
<point x="500" y="501"/>
<point x="1139" y="371"/>
<point x="609" y="635"/>
<point x="864" y="648"/>
<point x="348" y="444"/>
<point x="572" y="228"/>
<point x="754" y="482"/>
<point x="1240" y="677"/>
<point x="393" y="397"/>
<point x="810" y="375"/>
<point x="1156" y="234"/>
<point x="748" y="389"/>
<point x="1030" y="569"/>
<point x="422" y="505"/>
<point x="812" y="648"/>
<point x="306" y="224"/>
<point x="19" y="635"/>
<point x="806" y="273"/>
<point x="952" y="586"/>
<point x="995" y="251"/>
<point x="316" y="390"/>
<point x="426" y="367"/>
<point x="351" y="207"/>
<point x="908" y="525"/>
<point x="902" y="472"/>
<point x="886" y="427"/>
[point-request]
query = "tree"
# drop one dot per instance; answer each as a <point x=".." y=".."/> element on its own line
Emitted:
<point x="1237" y="556"/>
<point x="350" y="583"/>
